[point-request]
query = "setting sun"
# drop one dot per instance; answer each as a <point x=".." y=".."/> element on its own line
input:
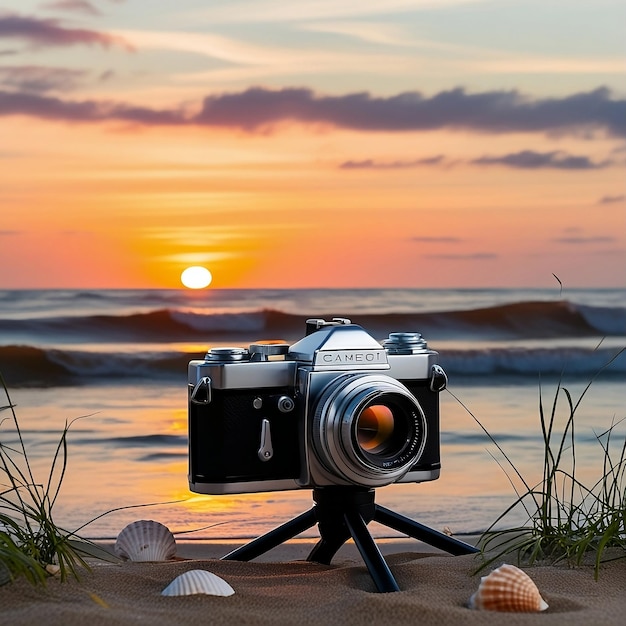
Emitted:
<point x="196" y="277"/>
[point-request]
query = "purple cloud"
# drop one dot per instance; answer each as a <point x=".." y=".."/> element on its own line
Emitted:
<point x="427" y="239"/>
<point x="50" y="33"/>
<point x="50" y="108"/>
<point x="258" y="109"/>
<point x="369" y="164"/>
<point x="492" y="111"/>
<point x="529" y="159"/>
<point x="584" y="240"/>
<point x="525" y="159"/>
<point x="474" y="256"/>
<point x="612" y="199"/>
<point x="37" y="79"/>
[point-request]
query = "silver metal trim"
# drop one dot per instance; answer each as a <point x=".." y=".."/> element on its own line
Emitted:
<point x="438" y="379"/>
<point x="420" y="476"/>
<point x="244" y="374"/>
<point x="351" y="359"/>
<point x="204" y="385"/>
<point x="254" y="486"/>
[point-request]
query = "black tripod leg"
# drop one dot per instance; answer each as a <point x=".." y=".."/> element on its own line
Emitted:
<point x="376" y="564"/>
<point x="326" y="548"/>
<point x="423" y="533"/>
<point x="273" y="537"/>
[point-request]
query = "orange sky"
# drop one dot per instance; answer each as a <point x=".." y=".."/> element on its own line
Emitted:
<point x="444" y="157"/>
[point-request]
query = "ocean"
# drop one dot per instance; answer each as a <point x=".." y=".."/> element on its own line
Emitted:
<point x="113" y="365"/>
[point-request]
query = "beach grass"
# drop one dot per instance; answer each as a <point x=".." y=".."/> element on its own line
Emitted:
<point x="567" y="519"/>
<point x="31" y="544"/>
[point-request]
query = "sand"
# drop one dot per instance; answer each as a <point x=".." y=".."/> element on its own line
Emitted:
<point x="281" y="587"/>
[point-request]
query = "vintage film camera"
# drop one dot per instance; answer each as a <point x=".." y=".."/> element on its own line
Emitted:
<point x="336" y="408"/>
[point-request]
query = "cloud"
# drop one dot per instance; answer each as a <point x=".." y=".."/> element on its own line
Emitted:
<point x="584" y="240"/>
<point x="258" y="108"/>
<point x="37" y="79"/>
<point x="529" y="159"/>
<point x="612" y="199"/>
<point x="80" y="6"/>
<point x="492" y="111"/>
<point x="9" y="233"/>
<point x="474" y="256"/>
<point x="368" y="164"/>
<point x="525" y="159"/>
<point x="48" y="32"/>
<point x="419" y="239"/>
<point x="50" y="108"/>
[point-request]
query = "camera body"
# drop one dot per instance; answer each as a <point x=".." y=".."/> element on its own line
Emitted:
<point x="335" y="408"/>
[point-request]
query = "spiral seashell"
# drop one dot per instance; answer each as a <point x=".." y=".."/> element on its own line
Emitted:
<point x="198" y="581"/>
<point x="145" y="540"/>
<point x="510" y="589"/>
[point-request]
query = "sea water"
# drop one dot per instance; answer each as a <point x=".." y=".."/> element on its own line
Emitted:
<point x="113" y="365"/>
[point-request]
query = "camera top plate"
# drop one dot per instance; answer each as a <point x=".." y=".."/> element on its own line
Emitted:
<point x="344" y="346"/>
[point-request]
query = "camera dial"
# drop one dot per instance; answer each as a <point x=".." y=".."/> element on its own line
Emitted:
<point x="227" y="354"/>
<point x="263" y="350"/>
<point x="405" y="343"/>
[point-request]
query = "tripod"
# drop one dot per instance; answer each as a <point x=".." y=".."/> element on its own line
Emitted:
<point x="344" y="512"/>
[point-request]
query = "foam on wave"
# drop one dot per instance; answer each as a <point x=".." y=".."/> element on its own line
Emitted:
<point x="28" y="366"/>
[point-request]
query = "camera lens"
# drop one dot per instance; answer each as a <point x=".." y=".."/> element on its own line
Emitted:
<point x="374" y="428"/>
<point x="368" y="429"/>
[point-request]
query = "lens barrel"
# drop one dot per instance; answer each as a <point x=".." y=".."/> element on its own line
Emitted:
<point x="367" y="429"/>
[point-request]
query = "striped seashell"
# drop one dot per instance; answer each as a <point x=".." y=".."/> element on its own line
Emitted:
<point x="198" y="581"/>
<point x="510" y="589"/>
<point x="145" y="540"/>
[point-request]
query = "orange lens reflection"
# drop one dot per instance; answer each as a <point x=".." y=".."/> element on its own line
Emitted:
<point x="374" y="427"/>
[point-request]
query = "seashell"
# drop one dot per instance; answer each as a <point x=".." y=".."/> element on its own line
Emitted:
<point x="145" y="540"/>
<point x="198" y="581"/>
<point x="507" y="588"/>
<point x="53" y="569"/>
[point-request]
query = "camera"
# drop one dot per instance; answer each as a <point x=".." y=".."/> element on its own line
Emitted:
<point x="335" y="408"/>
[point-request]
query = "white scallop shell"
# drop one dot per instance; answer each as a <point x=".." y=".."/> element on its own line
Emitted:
<point x="507" y="588"/>
<point x="145" y="540"/>
<point x="198" y="581"/>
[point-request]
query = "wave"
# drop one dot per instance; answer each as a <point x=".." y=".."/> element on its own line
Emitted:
<point x="521" y="320"/>
<point x="581" y="362"/>
<point x="27" y="366"/>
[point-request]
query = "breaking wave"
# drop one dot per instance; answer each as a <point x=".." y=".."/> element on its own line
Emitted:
<point x="519" y="320"/>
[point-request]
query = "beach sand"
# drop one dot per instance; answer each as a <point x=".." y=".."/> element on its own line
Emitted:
<point x="281" y="587"/>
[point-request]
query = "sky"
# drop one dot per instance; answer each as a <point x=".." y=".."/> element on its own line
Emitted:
<point x="318" y="143"/>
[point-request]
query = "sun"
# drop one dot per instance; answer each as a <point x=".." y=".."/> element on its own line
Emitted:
<point x="196" y="277"/>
